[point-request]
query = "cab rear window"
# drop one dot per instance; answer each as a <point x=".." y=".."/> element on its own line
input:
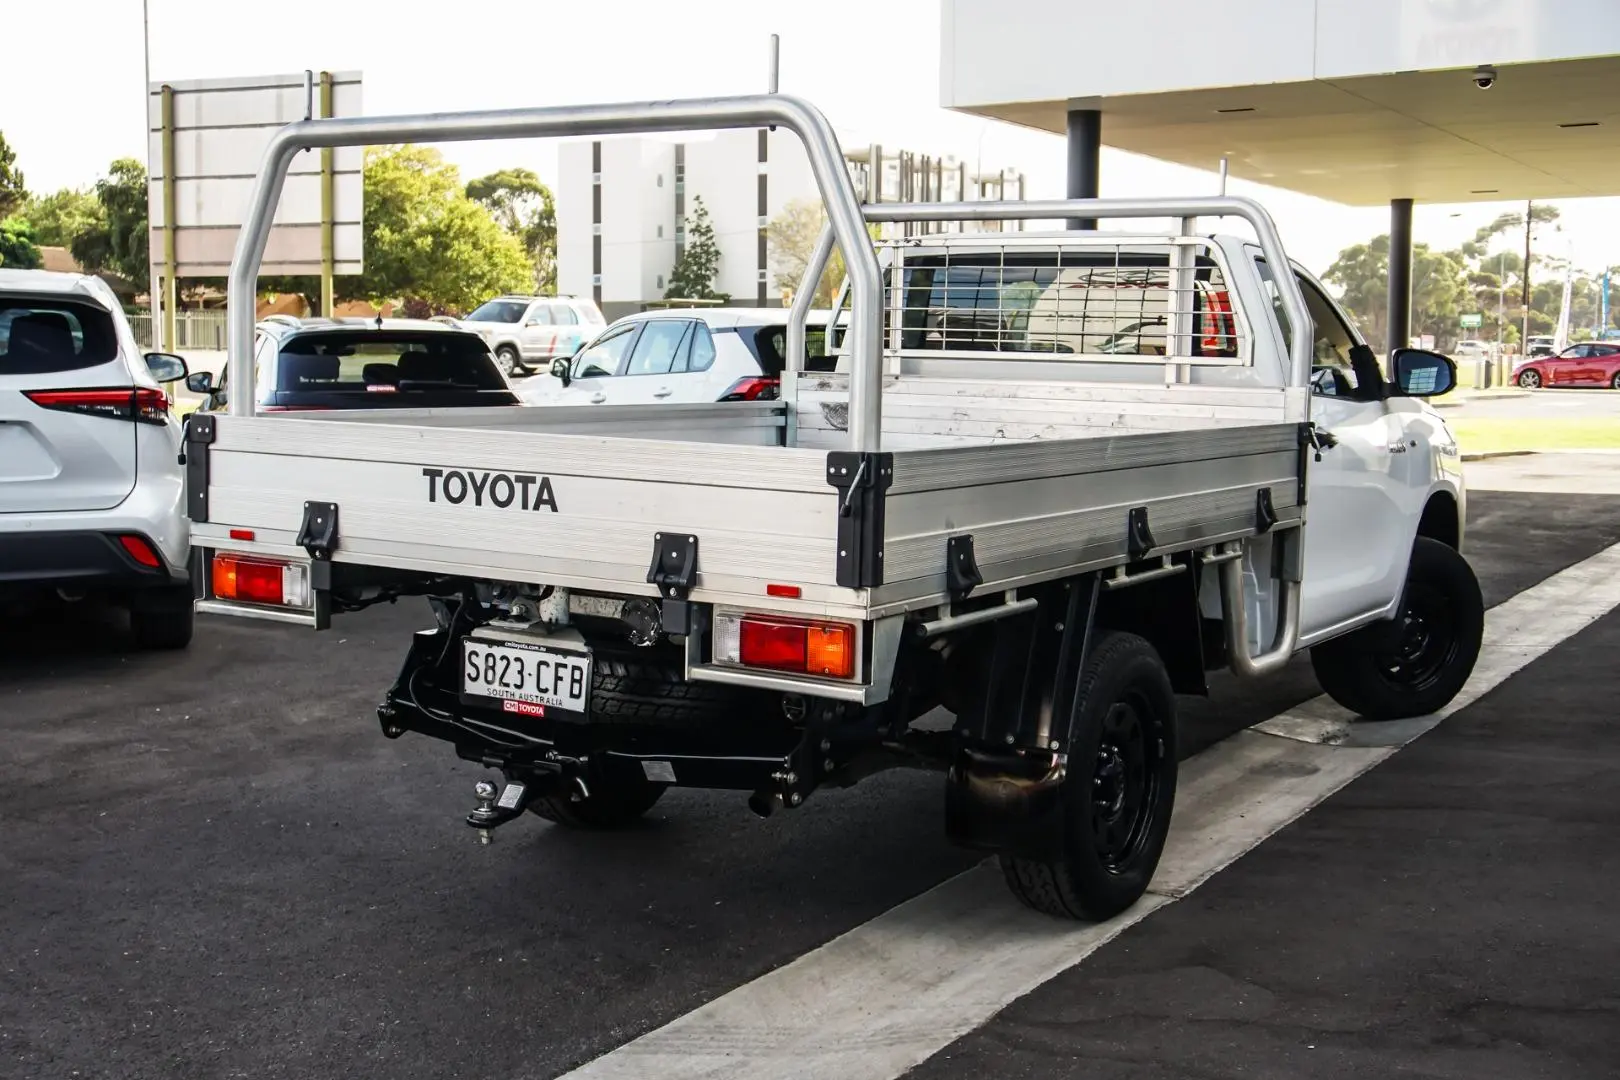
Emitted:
<point x="38" y="337"/>
<point x="397" y="363"/>
<point x="1060" y="304"/>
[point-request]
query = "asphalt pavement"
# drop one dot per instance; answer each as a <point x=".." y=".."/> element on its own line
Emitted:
<point x="1563" y="404"/>
<point x="1450" y="914"/>
<point x="214" y="865"/>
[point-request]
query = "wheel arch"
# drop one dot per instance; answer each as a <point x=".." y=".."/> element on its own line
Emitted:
<point x="1442" y="518"/>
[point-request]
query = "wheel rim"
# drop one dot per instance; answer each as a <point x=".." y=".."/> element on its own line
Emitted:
<point x="1428" y="641"/>
<point x="1125" y="782"/>
<point x="503" y="360"/>
<point x="1530" y="379"/>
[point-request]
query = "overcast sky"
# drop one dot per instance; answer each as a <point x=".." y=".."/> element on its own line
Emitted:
<point x="71" y="86"/>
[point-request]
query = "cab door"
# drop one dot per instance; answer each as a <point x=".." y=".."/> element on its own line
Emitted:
<point x="1359" y="502"/>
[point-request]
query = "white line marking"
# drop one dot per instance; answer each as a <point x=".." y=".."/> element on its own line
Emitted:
<point x="890" y="993"/>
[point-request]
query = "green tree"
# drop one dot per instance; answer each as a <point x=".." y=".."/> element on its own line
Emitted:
<point x="17" y="248"/>
<point x="791" y="238"/>
<point x="426" y="243"/>
<point x="60" y="218"/>
<point x="119" y="242"/>
<point x="524" y="207"/>
<point x="694" y="272"/>
<point x="1439" y="286"/>
<point x="12" y="190"/>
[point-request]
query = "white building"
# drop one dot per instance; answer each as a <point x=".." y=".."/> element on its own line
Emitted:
<point x="622" y="205"/>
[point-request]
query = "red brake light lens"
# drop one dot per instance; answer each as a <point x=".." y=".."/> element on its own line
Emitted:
<point x="141" y="403"/>
<point x="755" y="388"/>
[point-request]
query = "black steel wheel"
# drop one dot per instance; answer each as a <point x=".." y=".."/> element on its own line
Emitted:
<point x="1416" y="665"/>
<point x="1118" y="791"/>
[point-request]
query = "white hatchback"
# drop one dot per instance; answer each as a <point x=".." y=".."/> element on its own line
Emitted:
<point x="676" y="356"/>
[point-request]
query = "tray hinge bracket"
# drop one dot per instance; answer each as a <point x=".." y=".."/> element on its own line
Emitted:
<point x="862" y="479"/>
<point x="318" y="534"/>
<point x="199" y="436"/>
<point x="962" y="573"/>
<point x="1138" y="535"/>
<point x="1265" y="514"/>
<point x="674" y="571"/>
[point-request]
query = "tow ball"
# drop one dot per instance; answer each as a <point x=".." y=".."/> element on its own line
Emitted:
<point x="497" y="805"/>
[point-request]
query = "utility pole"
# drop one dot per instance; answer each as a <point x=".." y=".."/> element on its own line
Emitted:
<point x="154" y="303"/>
<point x="1524" y="280"/>
<point x="1501" y="306"/>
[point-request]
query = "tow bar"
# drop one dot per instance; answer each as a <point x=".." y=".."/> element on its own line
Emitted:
<point x="497" y="806"/>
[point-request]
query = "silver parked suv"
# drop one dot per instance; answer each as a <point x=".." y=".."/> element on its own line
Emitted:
<point x="91" y="488"/>
<point x="526" y="333"/>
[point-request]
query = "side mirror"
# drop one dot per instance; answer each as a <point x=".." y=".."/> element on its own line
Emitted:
<point x="562" y="369"/>
<point x="165" y="367"/>
<point x="1420" y="373"/>
<point x="200" y="382"/>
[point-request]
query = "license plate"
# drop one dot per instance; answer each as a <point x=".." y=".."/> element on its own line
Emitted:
<point x="528" y="678"/>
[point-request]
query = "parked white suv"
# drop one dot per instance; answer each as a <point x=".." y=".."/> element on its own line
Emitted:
<point x="527" y="332"/>
<point x="677" y="357"/>
<point x="91" y="488"/>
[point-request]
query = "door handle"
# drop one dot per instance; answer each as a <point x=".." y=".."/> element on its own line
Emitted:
<point x="662" y="391"/>
<point x="597" y="399"/>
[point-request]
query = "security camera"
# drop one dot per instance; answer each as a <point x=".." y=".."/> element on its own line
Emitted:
<point x="1484" y="77"/>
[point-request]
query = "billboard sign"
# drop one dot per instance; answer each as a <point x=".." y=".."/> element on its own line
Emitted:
<point x="214" y="133"/>
<point x="1472" y="320"/>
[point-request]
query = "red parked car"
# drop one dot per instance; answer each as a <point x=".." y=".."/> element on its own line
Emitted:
<point x="1591" y="363"/>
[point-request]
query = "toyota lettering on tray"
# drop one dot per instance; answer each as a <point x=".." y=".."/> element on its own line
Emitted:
<point x="504" y="491"/>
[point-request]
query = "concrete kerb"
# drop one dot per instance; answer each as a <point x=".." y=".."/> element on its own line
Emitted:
<point x="1489" y="454"/>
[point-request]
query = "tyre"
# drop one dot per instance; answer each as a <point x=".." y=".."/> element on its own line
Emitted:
<point x="648" y="686"/>
<point x="643" y="687"/>
<point x="162" y="619"/>
<point x="610" y="804"/>
<point x="1119" y="791"/>
<point x="1530" y="380"/>
<point x="506" y="358"/>
<point x="1416" y="665"/>
<point x="1614" y="381"/>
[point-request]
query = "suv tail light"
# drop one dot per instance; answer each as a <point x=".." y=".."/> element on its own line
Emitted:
<point x="800" y="646"/>
<point x="1220" y="329"/>
<point x="140" y="550"/>
<point x="140" y="403"/>
<point x="755" y="388"/>
<point x="260" y="581"/>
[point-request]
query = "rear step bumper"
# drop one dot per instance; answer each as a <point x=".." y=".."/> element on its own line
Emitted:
<point x="79" y="559"/>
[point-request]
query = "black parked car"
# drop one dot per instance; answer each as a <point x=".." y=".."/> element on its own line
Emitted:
<point x="303" y="364"/>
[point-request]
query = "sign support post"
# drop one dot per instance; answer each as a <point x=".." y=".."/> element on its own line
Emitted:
<point x="171" y="290"/>
<point x="328" y="260"/>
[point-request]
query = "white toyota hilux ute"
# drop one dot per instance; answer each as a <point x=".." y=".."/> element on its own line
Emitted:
<point x="1048" y="482"/>
<point x="90" y="485"/>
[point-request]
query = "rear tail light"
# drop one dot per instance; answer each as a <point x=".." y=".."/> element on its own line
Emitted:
<point x="141" y="403"/>
<point x="755" y="388"/>
<point x="140" y="550"/>
<point x="1220" y="331"/>
<point x="800" y="646"/>
<point x="260" y="581"/>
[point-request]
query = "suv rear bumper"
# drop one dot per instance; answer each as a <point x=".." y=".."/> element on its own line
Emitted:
<point x="85" y="559"/>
